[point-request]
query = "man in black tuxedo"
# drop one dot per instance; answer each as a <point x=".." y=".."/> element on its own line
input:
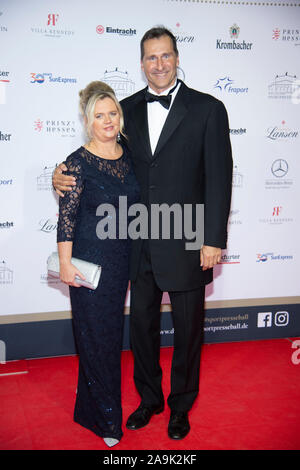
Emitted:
<point x="182" y="155"/>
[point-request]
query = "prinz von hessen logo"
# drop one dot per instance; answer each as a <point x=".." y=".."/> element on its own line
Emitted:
<point x="234" y="45"/>
<point x="287" y="35"/>
<point x="64" y="128"/>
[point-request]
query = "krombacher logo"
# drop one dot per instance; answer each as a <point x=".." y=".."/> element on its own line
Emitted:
<point x="233" y="45"/>
<point x="234" y="32"/>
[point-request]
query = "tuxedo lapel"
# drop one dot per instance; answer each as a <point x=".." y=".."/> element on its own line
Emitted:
<point x="175" y="116"/>
<point x="141" y="123"/>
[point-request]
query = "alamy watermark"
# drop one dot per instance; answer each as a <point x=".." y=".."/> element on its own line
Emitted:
<point x="160" y="221"/>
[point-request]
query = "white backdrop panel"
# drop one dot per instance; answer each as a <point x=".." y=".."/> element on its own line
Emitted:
<point x="52" y="49"/>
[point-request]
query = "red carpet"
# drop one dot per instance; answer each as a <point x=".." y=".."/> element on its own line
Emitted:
<point x="249" y="399"/>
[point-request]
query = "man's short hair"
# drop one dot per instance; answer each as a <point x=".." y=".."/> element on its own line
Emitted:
<point x="156" y="33"/>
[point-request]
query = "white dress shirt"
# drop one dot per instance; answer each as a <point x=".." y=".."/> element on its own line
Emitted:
<point x="157" y="115"/>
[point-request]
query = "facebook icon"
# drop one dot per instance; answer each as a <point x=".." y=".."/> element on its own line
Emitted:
<point x="264" y="319"/>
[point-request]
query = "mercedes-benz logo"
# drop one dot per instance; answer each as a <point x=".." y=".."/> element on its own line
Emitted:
<point x="279" y="168"/>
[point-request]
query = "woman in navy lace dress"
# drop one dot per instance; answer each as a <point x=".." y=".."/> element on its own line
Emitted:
<point x="103" y="173"/>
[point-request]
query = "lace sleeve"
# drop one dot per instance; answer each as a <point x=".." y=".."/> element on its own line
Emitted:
<point x="68" y="205"/>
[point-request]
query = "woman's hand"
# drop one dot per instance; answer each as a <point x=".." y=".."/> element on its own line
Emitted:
<point x="68" y="272"/>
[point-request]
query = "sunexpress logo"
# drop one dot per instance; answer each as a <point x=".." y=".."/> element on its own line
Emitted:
<point x="49" y="77"/>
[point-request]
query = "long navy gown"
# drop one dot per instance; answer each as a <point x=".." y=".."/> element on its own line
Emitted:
<point x="98" y="315"/>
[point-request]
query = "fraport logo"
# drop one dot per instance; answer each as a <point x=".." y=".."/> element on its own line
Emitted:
<point x="42" y="77"/>
<point x="226" y="85"/>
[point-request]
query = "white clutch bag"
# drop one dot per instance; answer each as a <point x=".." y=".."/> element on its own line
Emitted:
<point x="91" y="271"/>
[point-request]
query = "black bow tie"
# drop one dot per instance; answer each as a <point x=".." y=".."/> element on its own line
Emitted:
<point x="164" y="100"/>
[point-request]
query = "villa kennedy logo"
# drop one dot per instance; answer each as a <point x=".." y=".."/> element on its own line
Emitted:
<point x="234" y="45"/>
<point x="227" y="85"/>
<point x="276" y="216"/>
<point x="121" y="31"/>
<point x="52" y="26"/>
<point x="52" y="19"/>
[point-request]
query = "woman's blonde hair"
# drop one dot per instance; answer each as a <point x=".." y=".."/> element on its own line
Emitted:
<point x="93" y="92"/>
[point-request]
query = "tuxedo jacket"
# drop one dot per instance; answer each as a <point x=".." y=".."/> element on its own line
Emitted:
<point x="192" y="164"/>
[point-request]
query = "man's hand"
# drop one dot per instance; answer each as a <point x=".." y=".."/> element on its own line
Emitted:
<point x="62" y="182"/>
<point x="209" y="256"/>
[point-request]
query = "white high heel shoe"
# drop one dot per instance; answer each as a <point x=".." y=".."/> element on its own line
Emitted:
<point x="110" y="441"/>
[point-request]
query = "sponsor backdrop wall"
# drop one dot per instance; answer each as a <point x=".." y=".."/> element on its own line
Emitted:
<point x="246" y="54"/>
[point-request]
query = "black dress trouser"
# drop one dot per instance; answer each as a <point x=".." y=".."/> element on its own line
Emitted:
<point x="187" y="314"/>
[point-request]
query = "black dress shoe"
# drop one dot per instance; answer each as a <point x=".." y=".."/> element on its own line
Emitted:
<point x="179" y="425"/>
<point x="141" y="417"/>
